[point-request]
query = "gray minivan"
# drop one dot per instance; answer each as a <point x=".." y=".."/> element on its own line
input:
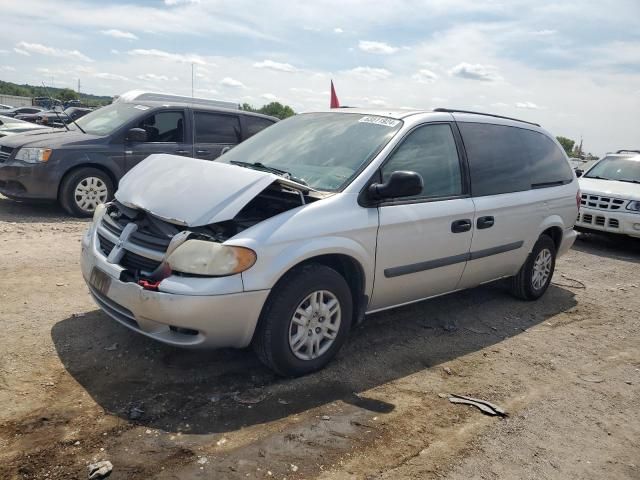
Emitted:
<point x="80" y="166"/>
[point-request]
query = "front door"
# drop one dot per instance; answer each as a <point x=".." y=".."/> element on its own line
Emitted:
<point x="165" y="134"/>
<point x="424" y="241"/>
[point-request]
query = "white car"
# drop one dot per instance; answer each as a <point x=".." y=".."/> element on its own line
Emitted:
<point x="610" y="192"/>
<point x="300" y="231"/>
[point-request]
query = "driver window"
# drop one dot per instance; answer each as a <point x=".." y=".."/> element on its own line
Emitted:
<point x="431" y="151"/>
<point x="164" y="127"/>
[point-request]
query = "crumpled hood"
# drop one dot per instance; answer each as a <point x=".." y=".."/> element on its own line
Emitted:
<point x="623" y="190"/>
<point x="192" y="192"/>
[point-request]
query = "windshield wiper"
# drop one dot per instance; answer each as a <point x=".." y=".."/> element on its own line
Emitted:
<point x="597" y="177"/>
<point x="265" y="168"/>
<point x="629" y="180"/>
<point x="74" y="122"/>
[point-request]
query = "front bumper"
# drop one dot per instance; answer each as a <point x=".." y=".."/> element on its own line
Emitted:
<point x="212" y="321"/>
<point x="28" y="181"/>
<point x="620" y="222"/>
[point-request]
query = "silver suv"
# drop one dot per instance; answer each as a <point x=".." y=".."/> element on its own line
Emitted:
<point x="293" y="236"/>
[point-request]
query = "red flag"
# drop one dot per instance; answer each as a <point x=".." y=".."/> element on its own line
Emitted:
<point x="335" y="103"/>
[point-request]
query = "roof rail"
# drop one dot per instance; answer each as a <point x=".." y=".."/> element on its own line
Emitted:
<point x="628" y="151"/>
<point x="453" y="110"/>
<point x="141" y="96"/>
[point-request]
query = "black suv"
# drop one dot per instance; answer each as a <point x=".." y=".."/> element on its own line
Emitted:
<point x="81" y="166"/>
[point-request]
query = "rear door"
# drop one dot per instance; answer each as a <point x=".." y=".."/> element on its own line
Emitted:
<point x="508" y="211"/>
<point x="215" y="132"/>
<point x="166" y="133"/>
<point x="424" y="241"/>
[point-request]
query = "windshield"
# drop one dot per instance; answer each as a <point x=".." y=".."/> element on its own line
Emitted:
<point x="324" y="150"/>
<point x="106" y="120"/>
<point x="617" y="168"/>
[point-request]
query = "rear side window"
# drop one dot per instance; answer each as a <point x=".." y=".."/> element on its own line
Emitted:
<point x="217" y="128"/>
<point x="547" y="164"/>
<point x="255" y="124"/>
<point x="505" y="159"/>
<point x="430" y="151"/>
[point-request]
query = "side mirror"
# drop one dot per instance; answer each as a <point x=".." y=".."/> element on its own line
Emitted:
<point x="400" y="184"/>
<point x="136" y="135"/>
<point x="579" y="172"/>
<point x="225" y="150"/>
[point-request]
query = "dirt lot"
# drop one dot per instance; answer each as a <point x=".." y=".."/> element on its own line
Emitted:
<point x="76" y="387"/>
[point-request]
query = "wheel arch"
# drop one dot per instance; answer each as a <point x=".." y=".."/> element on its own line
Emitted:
<point x="553" y="226"/>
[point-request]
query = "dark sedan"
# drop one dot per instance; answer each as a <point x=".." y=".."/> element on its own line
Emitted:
<point x="55" y="119"/>
<point x="12" y="112"/>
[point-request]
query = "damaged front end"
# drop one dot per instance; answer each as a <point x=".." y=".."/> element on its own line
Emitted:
<point x="151" y="248"/>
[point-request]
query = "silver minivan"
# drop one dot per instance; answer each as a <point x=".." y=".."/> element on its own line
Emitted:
<point x="295" y="235"/>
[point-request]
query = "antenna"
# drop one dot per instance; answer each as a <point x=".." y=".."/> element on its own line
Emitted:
<point x="54" y="107"/>
<point x="192" y="67"/>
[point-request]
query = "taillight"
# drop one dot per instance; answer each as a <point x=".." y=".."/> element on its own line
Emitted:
<point x="578" y="199"/>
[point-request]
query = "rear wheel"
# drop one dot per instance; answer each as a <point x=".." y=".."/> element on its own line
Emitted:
<point x="84" y="189"/>
<point x="305" y="321"/>
<point x="534" y="277"/>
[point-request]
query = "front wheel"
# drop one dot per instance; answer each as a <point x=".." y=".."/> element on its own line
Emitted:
<point x="305" y="321"/>
<point x="534" y="277"/>
<point x="84" y="189"/>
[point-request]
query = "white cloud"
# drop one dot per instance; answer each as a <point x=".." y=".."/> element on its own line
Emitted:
<point x="338" y="30"/>
<point x="528" y="105"/>
<point x="3" y="51"/>
<point x="171" y="3"/>
<point x="152" y="77"/>
<point x="543" y="33"/>
<point x="277" y="66"/>
<point x="485" y="73"/>
<point x="269" y="96"/>
<point x="7" y="68"/>
<point x="110" y="76"/>
<point x="50" y="51"/>
<point x="115" y="52"/>
<point x="232" y="83"/>
<point x="22" y="52"/>
<point x="369" y="73"/>
<point x="173" y="57"/>
<point x="379" y="48"/>
<point x="119" y="34"/>
<point x="425" y="76"/>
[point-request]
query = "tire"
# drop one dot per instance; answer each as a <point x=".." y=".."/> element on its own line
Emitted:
<point x="525" y="285"/>
<point x="97" y="186"/>
<point x="278" y="332"/>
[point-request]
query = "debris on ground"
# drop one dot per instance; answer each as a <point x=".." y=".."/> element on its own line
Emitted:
<point x="136" y="411"/>
<point x="111" y="347"/>
<point x="100" y="469"/>
<point x="484" y="406"/>
<point x="250" y="397"/>
<point x="294" y="468"/>
<point x="591" y="378"/>
<point x="448" y="371"/>
<point x="326" y="417"/>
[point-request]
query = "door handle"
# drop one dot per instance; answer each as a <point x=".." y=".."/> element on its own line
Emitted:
<point x="460" y="226"/>
<point x="181" y="152"/>
<point x="485" y="222"/>
<point x="202" y="151"/>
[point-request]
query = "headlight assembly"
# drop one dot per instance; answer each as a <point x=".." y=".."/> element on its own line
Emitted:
<point x="201" y="257"/>
<point x="634" y="206"/>
<point x="33" y="155"/>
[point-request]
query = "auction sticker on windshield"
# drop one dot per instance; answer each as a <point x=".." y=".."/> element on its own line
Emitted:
<point x="387" y="122"/>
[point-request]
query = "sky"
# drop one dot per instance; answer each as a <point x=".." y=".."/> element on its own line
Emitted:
<point x="571" y="65"/>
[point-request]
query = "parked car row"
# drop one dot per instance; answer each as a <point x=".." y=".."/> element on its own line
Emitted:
<point x="81" y="167"/>
<point x="55" y="118"/>
<point x="13" y="126"/>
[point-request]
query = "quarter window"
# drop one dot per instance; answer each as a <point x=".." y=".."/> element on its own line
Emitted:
<point x="430" y="151"/>
<point x="255" y="124"/>
<point x="216" y="128"/>
<point x="547" y="164"/>
<point x="164" y="127"/>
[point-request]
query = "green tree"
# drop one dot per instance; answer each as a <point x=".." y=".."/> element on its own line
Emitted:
<point x="567" y="144"/>
<point x="67" y="94"/>
<point x="274" y="109"/>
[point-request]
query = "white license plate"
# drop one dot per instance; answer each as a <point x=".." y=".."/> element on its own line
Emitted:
<point x="100" y="280"/>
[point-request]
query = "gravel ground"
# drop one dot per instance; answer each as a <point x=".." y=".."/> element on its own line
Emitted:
<point x="75" y="387"/>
